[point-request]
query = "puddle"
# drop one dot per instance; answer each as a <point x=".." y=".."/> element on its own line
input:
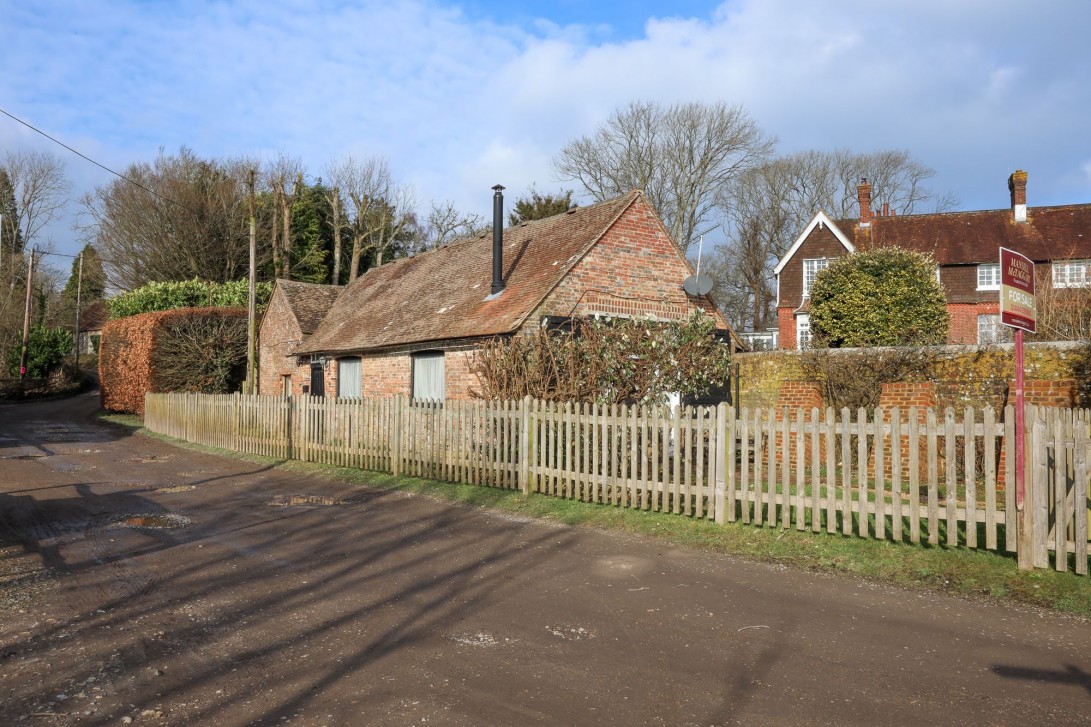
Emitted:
<point x="307" y="500"/>
<point x="165" y="521"/>
<point x="149" y="459"/>
<point x="176" y="488"/>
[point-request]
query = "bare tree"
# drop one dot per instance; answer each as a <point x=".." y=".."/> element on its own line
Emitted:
<point x="381" y="208"/>
<point x="336" y="173"/>
<point x="682" y="156"/>
<point x="184" y="218"/>
<point x="766" y="208"/>
<point x="284" y="177"/>
<point x="445" y="223"/>
<point x="40" y="190"/>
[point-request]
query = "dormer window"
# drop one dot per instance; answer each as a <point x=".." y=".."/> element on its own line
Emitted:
<point x="988" y="276"/>
<point x="810" y="270"/>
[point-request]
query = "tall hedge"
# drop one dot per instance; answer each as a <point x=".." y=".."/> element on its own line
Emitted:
<point x="194" y="293"/>
<point x="141" y="353"/>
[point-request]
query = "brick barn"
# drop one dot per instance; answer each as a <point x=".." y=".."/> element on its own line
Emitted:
<point x="965" y="245"/>
<point x="294" y="312"/>
<point x="412" y="326"/>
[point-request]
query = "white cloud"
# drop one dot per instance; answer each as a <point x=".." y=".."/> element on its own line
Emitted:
<point x="973" y="89"/>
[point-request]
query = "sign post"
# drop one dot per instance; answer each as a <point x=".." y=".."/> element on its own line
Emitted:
<point x="1017" y="311"/>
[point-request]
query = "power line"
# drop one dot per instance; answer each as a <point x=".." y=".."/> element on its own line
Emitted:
<point x="97" y="164"/>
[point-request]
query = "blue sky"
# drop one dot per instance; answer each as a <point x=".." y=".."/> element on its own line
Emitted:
<point x="461" y="96"/>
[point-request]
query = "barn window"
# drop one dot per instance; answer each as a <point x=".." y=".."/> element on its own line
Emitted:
<point x="349" y="378"/>
<point x="429" y="376"/>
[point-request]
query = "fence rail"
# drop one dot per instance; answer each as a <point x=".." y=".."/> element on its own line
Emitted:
<point x="913" y="475"/>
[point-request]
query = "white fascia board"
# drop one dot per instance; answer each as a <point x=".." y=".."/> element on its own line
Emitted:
<point x="819" y="219"/>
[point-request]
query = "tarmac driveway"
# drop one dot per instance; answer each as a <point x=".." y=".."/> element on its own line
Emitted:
<point x="194" y="589"/>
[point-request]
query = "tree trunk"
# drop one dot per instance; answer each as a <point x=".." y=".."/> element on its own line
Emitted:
<point x="336" y="204"/>
<point x="357" y="252"/>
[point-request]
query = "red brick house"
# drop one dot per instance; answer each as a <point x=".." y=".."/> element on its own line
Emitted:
<point x="964" y="245"/>
<point x="294" y="312"/>
<point x="411" y="326"/>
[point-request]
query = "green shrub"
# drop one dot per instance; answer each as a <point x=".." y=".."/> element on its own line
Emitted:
<point x="194" y="293"/>
<point x="882" y="297"/>
<point x="46" y="349"/>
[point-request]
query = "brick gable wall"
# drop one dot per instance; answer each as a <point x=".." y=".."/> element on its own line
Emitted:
<point x="278" y="336"/>
<point x="634" y="270"/>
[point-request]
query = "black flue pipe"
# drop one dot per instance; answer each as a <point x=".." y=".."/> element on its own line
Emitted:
<point x="497" y="239"/>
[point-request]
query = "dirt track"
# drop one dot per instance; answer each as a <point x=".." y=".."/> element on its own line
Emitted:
<point x="366" y="607"/>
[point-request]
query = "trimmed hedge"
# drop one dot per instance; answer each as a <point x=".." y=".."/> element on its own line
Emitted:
<point x="158" y="296"/>
<point x="131" y="345"/>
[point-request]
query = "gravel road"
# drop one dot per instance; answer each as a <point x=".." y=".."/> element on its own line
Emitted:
<point x="146" y="584"/>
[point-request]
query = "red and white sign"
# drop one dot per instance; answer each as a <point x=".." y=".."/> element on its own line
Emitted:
<point x="1016" y="290"/>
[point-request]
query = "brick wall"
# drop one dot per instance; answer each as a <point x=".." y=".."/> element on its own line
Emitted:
<point x="278" y="335"/>
<point x="786" y="322"/>
<point x="1060" y="393"/>
<point x="964" y="320"/>
<point x="796" y="394"/>
<point x="634" y="270"/>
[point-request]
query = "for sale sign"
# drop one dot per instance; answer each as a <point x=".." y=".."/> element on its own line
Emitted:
<point x="1016" y="290"/>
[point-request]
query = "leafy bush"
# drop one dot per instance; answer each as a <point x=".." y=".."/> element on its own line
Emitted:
<point x="612" y="361"/>
<point x="194" y="293"/>
<point x="46" y="349"/>
<point x="882" y="297"/>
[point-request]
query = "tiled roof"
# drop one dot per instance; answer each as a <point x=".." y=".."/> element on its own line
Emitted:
<point x="309" y="302"/>
<point x="440" y="295"/>
<point x="963" y="238"/>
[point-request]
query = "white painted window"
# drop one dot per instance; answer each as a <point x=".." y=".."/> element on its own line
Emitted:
<point x="988" y="276"/>
<point x="810" y="270"/>
<point x="990" y="330"/>
<point x="1071" y="273"/>
<point x="429" y="376"/>
<point x="349" y="377"/>
<point x="803" y="331"/>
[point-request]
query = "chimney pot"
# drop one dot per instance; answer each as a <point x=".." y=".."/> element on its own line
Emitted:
<point x="497" y="239"/>
<point x="1017" y="185"/>
<point x="863" y="194"/>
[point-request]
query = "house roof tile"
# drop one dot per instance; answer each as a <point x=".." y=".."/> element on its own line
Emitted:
<point x="309" y="302"/>
<point x="967" y="238"/>
<point x="442" y="294"/>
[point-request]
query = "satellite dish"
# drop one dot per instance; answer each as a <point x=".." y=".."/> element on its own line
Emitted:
<point x="697" y="285"/>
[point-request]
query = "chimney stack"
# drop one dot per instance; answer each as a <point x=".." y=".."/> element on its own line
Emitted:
<point x="863" y="193"/>
<point x="1017" y="184"/>
<point x="497" y="239"/>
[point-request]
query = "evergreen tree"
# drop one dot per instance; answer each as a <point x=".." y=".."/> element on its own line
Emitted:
<point x="537" y="206"/>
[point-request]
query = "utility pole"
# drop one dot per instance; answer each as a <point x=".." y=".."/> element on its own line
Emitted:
<point x="79" y="290"/>
<point x="26" y="317"/>
<point x="251" y="303"/>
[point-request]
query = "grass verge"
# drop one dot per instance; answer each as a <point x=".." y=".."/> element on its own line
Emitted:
<point x="969" y="573"/>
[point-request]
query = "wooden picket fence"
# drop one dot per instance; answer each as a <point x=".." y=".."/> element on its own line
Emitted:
<point x="913" y="476"/>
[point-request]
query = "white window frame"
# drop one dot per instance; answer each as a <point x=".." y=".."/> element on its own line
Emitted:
<point x="803" y="325"/>
<point x="990" y="330"/>
<point x="817" y="268"/>
<point x="990" y="272"/>
<point x="1071" y="273"/>
<point x="428" y="384"/>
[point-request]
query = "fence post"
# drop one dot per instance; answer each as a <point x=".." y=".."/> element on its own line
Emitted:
<point x="524" y="445"/>
<point x="396" y="439"/>
<point x="237" y="402"/>
<point x="721" y="460"/>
